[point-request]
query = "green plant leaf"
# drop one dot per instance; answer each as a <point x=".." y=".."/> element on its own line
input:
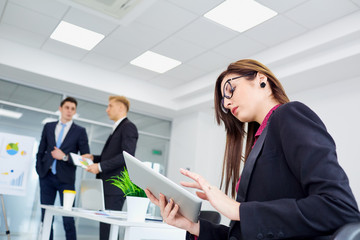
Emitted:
<point x="123" y="182"/>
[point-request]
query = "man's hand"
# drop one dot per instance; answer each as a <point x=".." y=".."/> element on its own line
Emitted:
<point x="93" y="168"/>
<point x="88" y="155"/>
<point x="57" y="154"/>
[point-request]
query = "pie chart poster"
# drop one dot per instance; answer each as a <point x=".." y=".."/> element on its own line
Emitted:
<point x="15" y="163"/>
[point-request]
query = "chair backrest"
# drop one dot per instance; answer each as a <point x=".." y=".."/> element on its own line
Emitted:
<point x="211" y="216"/>
<point x="350" y="231"/>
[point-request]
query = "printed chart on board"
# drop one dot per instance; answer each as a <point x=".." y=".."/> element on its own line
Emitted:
<point x="15" y="160"/>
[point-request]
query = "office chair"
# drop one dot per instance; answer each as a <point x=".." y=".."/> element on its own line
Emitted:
<point x="350" y="231"/>
<point x="211" y="216"/>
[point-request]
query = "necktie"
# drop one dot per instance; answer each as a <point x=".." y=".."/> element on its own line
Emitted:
<point x="58" y="144"/>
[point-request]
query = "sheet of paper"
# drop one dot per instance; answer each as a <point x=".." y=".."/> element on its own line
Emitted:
<point x="80" y="161"/>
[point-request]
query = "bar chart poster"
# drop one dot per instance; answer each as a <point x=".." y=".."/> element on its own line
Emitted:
<point x="15" y="160"/>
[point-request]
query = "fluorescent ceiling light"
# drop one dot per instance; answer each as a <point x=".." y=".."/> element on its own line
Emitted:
<point x="77" y="36"/>
<point x="46" y="120"/>
<point x="240" y="15"/>
<point x="10" y="114"/>
<point x="155" y="62"/>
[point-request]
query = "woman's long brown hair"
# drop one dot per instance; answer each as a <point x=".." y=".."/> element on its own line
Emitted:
<point x="235" y="129"/>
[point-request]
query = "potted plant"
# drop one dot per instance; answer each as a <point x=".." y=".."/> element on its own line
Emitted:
<point x="136" y="200"/>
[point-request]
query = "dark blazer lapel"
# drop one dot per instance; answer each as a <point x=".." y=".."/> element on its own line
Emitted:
<point x="52" y="133"/>
<point x="113" y="133"/>
<point x="249" y="166"/>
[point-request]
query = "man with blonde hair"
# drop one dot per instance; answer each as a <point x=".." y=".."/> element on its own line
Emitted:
<point x="111" y="162"/>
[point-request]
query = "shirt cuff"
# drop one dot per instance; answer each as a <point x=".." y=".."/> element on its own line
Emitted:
<point x="100" y="170"/>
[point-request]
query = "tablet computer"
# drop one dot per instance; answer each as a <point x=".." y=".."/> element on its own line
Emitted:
<point x="145" y="177"/>
<point x="80" y="161"/>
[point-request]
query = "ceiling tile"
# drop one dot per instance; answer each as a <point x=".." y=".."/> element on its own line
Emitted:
<point x="206" y="33"/>
<point x="281" y="6"/>
<point x="138" y="35"/>
<point x="178" y="49"/>
<point x="64" y="50"/>
<point x="313" y="13"/>
<point x="275" y="30"/>
<point x="2" y="5"/>
<point x="21" y="36"/>
<point x="137" y="72"/>
<point x="104" y="62"/>
<point x="29" y="20"/>
<point x="166" y="17"/>
<point x="185" y="73"/>
<point x="356" y="2"/>
<point x="209" y="61"/>
<point x="89" y="21"/>
<point x="49" y="8"/>
<point x="166" y="82"/>
<point x="199" y="6"/>
<point x="117" y="49"/>
<point x="239" y="47"/>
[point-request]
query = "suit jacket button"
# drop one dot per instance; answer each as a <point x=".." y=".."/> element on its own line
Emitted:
<point x="269" y="235"/>
<point x="233" y="238"/>
<point x="280" y="235"/>
<point x="260" y="236"/>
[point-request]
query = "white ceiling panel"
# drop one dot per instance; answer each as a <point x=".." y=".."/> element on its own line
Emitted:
<point x="178" y="49"/>
<point x="281" y="6"/>
<point x="303" y="30"/>
<point x="29" y="20"/>
<point x="210" y="61"/>
<point x="64" y="50"/>
<point x="275" y="30"/>
<point x="206" y="33"/>
<point x="49" y="8"/>
<point x="137" y="72"/>
<point x="356" y="2"/>
<point x="117" y="49"/>
<point x="166" y="82"/>
<point x="166" y="17"/>
<point x="104" y="62"/>
<point x="21" y="36"/>
<point x="199" y="6"/>
<point x="239" y="47"/>
<point x="90" y="22"/>
<point x="315" y="13"/>
<point x="185" y="73"/>
<point x="139" y="35"/>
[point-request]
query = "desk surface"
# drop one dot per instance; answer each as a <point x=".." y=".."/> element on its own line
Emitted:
<point x="94" y="215"/>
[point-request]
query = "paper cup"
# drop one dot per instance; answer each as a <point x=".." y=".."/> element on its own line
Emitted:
<point x="69" y="196"/>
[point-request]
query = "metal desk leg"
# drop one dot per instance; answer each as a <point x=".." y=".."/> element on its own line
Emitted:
<point x="47" y="225"/>
<point x="114" y="232"/>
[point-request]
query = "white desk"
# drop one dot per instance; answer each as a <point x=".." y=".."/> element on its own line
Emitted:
<point x="133" y="230"/>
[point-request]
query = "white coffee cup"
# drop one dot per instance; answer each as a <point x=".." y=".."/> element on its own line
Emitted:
<point x="69" y="196"/>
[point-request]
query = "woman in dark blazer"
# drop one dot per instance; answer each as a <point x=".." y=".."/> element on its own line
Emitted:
<point x="291" y="187"/>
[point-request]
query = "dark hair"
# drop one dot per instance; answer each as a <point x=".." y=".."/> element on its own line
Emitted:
<point x="68" y="99"/>
<point x="235" y="129"/>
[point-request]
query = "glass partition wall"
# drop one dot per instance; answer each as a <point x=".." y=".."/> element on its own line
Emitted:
<point x="39" y="106"/>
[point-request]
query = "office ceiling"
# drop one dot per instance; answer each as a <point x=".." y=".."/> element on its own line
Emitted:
<point x="309" y="43"/>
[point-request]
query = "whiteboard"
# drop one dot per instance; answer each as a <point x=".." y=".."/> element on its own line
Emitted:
<point x="16" y="153"/>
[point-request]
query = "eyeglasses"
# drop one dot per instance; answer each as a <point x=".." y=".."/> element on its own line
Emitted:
<point x="228" y="91"/>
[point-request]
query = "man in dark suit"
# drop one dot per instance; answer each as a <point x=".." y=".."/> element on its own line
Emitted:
<point x="54" y="166"/>
<point x="111" y="161"/>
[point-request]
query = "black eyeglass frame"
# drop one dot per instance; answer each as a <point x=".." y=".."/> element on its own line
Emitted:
<point x="225" y="110"/>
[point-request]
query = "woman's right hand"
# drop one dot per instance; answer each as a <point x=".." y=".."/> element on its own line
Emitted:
<point x="169" y="212"/>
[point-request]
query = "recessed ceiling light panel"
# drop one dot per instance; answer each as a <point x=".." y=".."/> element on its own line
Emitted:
<point x="155" y="62"/>
<point x="76" y="36"/>
<point x="10" y="114"/>
<point x="240" y="15"/>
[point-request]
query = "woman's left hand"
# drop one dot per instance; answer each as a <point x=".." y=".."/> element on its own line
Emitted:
<point x="219" y="200"/>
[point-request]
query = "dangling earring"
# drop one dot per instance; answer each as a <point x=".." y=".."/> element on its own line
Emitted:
<point x="262" y="85"/>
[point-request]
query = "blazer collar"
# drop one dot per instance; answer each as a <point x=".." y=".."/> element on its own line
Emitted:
<point x="249" y="166"/>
